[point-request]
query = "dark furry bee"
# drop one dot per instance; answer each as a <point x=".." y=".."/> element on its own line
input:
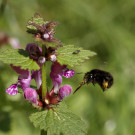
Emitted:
<point x="103" y="78"/>
<point x="76" y="51"/>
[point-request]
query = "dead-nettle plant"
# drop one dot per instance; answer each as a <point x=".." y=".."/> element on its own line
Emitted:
<point x="52" y="114"/>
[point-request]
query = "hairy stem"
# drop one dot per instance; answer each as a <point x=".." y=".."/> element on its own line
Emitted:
<point x="43" y="132"/>
<point x="44" y="88"/>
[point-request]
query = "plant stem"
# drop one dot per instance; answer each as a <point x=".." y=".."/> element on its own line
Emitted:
<point x="43" y="132"/>
<point x="3" y="6"/>
<point x="44" y="88"/>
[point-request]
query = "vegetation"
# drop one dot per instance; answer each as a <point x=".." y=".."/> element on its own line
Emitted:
<point x="105" y="27"/>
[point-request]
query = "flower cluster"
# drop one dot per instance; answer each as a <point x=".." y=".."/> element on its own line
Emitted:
<point x="58" y="92"/>
<point x="44" y="32"/>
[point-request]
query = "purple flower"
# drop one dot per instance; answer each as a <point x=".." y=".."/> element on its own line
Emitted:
<point x="12" y="90"/>
<point x="24" y="78"/>
<point x="30" y="95"/>
<point x="35" y="53"/>
<point x="57" y="71"/>
<point x="38" y="77"/>
<point x="68" y="73"/>
<point x="57" y="80"/>
<point x="56" y="75"/>
<point x="57" y="68"/>
<point x="65" y="91"/>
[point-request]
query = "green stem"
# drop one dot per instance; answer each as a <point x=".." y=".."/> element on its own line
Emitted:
<point x="44" y="88"/>
<point x="43" y="132"/>
<point x="3" y="6"/>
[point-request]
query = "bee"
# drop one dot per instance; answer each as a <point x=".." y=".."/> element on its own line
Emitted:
<point x="103" y="78"/>
<point x="76" y="51"/>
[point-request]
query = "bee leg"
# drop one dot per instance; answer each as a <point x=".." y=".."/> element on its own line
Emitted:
<point x="94" y="82"/>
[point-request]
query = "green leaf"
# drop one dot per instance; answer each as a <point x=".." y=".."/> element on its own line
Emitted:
<point x="67" y="55"/>
<point x="18" y="57"/>
<point x="36" y="20"/>
<point x="54" y="43"/>
<point x="59" y="121"/>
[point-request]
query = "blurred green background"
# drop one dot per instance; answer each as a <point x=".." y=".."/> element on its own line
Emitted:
<point x="104" y="26"/>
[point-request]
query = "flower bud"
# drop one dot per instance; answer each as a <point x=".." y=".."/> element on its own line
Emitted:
<point x="53" y="58"/>
<point x="34" y="51"/>
<point x="12" y="90"/>
<point x="68" y="73"/>
<point x="31" y="95"/>
<point x="46" y="35"/>
<point x="38" y="36"/>
<point x="41" y="59"/>
<point x="65" y="91"/>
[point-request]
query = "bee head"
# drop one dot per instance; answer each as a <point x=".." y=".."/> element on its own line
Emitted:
<point x="88" y="78"/>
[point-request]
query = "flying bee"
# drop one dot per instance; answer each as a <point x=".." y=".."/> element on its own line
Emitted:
<point x="103" y="78"/>
<point x="76" y="51"/>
